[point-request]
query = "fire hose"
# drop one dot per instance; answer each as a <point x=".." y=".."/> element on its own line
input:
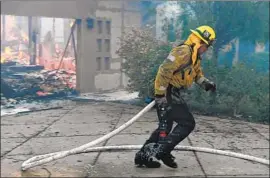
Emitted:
<point x="42" y="159"/>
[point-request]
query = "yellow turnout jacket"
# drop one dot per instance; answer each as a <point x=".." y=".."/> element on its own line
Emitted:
<point x="178" y="70"/>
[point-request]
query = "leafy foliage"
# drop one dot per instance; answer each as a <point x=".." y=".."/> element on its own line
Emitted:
<point x="240" y="91"/>
<point x="143" y="54"/>
<point x="258" y="61"/>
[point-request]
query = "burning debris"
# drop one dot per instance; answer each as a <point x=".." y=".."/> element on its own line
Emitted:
<point x="33" y="81"/>
<point x="53" y="74"/>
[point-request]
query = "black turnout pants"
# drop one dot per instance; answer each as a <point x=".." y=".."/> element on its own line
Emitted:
<point x="180" y="114"/>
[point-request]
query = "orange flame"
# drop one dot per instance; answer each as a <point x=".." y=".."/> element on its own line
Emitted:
<point x="19" y="52"/>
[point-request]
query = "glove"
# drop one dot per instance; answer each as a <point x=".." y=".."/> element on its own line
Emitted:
<point x="161" y="100"/>
<point x="148" y="100"/>
<point x="210" y="86"/>
<point x="162" y="103"/>
<point x="163" y="108"/>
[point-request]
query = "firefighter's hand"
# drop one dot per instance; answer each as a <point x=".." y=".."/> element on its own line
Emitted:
<point x="210" y="86"/>
<point x="161" y="100"/>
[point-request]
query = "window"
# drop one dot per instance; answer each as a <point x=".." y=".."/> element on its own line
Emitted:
<point x="107" y="45"/>
<point x="99" y="45"/>
<point x="108" y="27"/>
<point x="99" y="26"/>
<point x="107" y="63"/>
<point x="98" y="60"/>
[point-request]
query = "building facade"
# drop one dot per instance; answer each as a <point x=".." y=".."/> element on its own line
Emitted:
<point x="98" y="66"/>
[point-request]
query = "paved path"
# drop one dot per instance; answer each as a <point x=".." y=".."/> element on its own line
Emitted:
<point x="26" y="135"/>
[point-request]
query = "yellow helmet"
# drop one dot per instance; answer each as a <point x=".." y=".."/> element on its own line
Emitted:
<point x="205" y="33"/>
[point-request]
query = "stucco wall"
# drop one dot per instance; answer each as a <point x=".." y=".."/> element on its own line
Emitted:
<point x="107" y="81"/>
<point x="131" y="18"/>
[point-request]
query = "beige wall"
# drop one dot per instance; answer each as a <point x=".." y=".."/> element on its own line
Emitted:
<point x="107" y="81"/>
<point x="130" y="17"/>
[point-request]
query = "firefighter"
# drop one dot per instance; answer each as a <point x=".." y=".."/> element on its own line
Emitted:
<point x="181" y="68"/>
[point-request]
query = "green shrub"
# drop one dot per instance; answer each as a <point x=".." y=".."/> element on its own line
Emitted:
<point x="142" y="55"/>
<point x="259" y="61"/>
<point x="241" y="90"/>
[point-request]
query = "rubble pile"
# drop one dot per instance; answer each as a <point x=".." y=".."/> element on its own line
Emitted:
<point x="19" y="82"/>
<point x="29" y="67"/>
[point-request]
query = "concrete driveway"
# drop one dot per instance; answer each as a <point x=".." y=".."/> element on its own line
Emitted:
<point x="26" y="135"/>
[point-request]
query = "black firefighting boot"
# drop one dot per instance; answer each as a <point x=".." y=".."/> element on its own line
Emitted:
<point x="160" y="152"/>
<point x="141" y="158"/>
<point x="167" y="158"/>
<point x="164" y="154"/>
